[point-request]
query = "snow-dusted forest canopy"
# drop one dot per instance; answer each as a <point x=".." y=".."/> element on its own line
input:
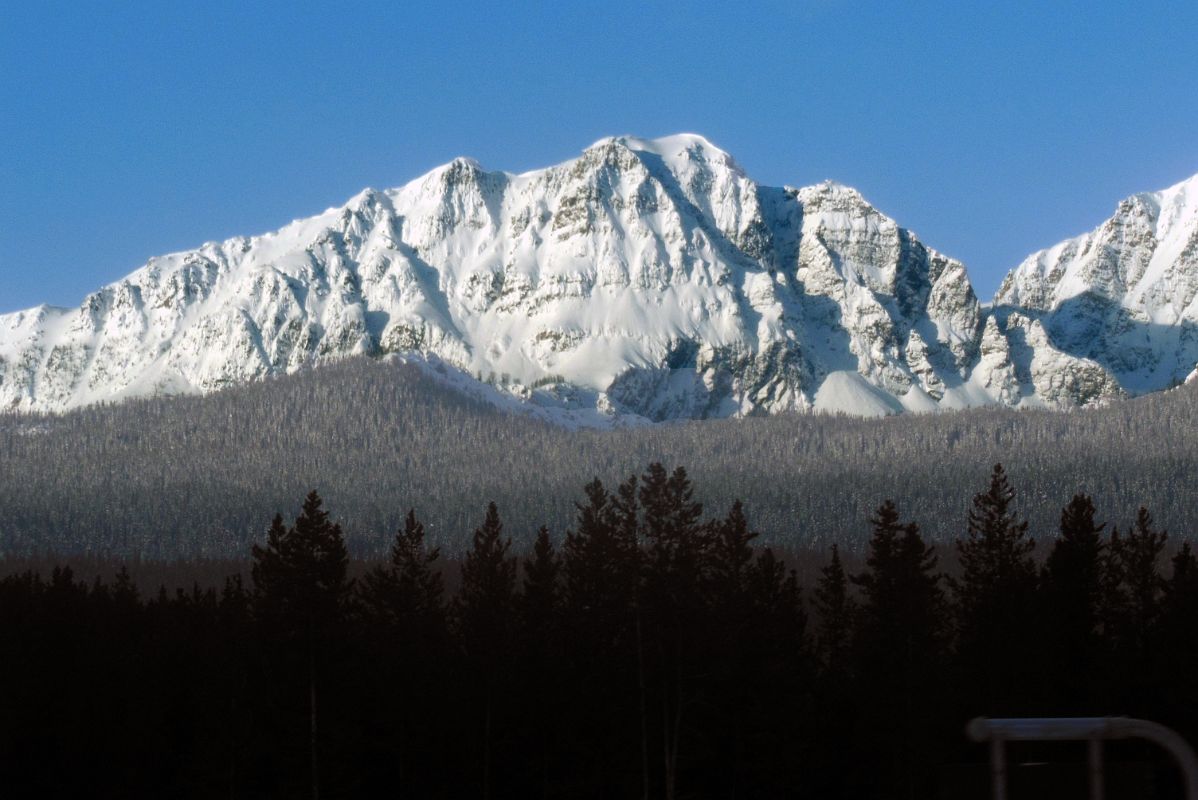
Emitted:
<point x="202" y="476"/>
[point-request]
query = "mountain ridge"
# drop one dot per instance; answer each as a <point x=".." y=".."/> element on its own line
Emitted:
<point x="647" y="279"/>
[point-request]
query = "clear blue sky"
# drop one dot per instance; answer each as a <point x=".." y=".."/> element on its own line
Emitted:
<point x="130" y="130"/>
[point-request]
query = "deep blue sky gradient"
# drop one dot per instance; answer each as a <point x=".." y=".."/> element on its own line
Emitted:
<point x="992" y="130"/>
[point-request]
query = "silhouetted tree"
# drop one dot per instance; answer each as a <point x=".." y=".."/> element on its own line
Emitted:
<point x="899" y="648"/>
<point x="601" y="581"/>
<point x="403" y="606"/>
<point x="1178" y="645"/>
<point x="542" y="591"/>
<point x="540" y="667"/>
<point x="673" y="599"/>
<point x="995" y="601"/>
<point x="777" y="673"/>
<point x="1134" y="588"/>
<point x="596" y="565"/>
<point x="731" y="552"/>
<point x="408" y="591"/>
<point x="836" y="612"/>
<point x="1071" y="594"/>
<point x="485" y="613"/>
<point x="301" y="593"/>
<point x="734" y="590"/>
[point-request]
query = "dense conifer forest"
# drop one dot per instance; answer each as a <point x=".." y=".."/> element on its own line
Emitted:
<point x="653" y="649"/>
<point x="190" y="477"/>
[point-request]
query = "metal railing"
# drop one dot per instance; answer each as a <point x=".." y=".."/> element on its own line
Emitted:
<point x="1093" y="730"/>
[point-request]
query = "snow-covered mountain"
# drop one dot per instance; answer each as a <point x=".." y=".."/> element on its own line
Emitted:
<point x="647" y="278"/>
<point x="1124" y="295"/>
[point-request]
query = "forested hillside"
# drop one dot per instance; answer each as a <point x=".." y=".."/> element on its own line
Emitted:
<point x="194" y="476"/>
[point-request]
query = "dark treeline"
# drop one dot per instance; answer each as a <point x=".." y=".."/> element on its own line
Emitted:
<point x="653" y="651"/>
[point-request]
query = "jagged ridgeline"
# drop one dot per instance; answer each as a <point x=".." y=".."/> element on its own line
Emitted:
<point x="646" y="278"/>
<point x="202" y="476"/>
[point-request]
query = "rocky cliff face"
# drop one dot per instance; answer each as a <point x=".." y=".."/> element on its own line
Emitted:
<point x="649" y="278"/>
<point x="1123" y="295"/>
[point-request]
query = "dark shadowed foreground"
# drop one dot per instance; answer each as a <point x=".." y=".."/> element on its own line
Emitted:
<point x="654" y="652"/>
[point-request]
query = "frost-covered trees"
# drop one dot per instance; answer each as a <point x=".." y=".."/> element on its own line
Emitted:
<point x="378" y="438"/>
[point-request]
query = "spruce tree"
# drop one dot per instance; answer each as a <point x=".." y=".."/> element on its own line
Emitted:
<point x="404" y="611"/>
<point x="675" y="569"/>
<point x="408" y="591"/>
<point x="594" y="565"/>
<point x="836" y="611"/>
<point x="301" y="595"/>
<point x="485" y="613"/>
<point x="745" y="605"/>
<point x="774" y="594"/>
<point x="626" y="523"/>
<point x="1181" y="592"/>
<point x="538" y="658"/>
<point x="902" y="611"/>
<point x="300" y="575"/>
<point x="486" y="599"/>
<point x="539" y="600"/>
<point x="995" y="602"/>
<point x="1071" y="603"/>
<point x="771" y="689"/>
<point x="898" y="649"/>
<point x="600" y="585"/>
<point x="834" y="740"/>
<point x="1135" y="586"/>
<point x="1178" y="645"/>
<point x="731" y="554"/>
<point x="539" y="604"/>
<point x="1073" y="570"/>
<point x="677" y="543"/>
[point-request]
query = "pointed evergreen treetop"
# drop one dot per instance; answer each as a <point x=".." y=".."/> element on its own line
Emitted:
<point x="837" y="611"/>
<point x="302" y="570"/>
<point x="901" y="590"/>
<point x="539" y="602"/>
<point x="996" y="550"/>
<point x="671" y="527"/>
<point x="1080" y="536"/>
<point x="732" y="550"/>
<point x="410" y="585"/>
<point x="541" y="571"/>
<point x="1136" y="583"/>
<point x="1073" y="573"/>
<point x="484" y="601"/>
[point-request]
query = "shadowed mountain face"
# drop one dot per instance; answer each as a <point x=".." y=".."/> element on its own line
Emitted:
<point x="646" y="279"/>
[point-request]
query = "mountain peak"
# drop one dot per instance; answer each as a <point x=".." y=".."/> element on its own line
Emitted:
<point x="831" y="188"/>
<point x="647" y="277"/>
<point x="1124" y="295"/>
<point x="674" y="143"/>
<point x="679" y="152"/>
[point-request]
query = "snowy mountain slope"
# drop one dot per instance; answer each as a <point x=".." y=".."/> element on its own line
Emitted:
<point x="646" y="279"/>
<point x="1124" y="295"/>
